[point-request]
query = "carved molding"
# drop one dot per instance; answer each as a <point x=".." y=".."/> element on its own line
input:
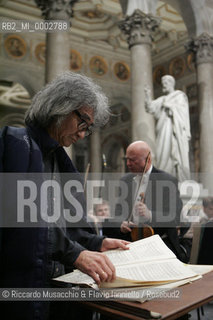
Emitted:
<point x="202" y="47"/>
<point x="56" y="9"/>
<point x="139" y="27"/>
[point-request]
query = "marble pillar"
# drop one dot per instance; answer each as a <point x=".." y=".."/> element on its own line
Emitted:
<point x="138" y="27"/>
<point x="95" y="162"/>
<point x="202" y="47"/>
<point x="95" y="152"/>
<point x="57" y="43"/>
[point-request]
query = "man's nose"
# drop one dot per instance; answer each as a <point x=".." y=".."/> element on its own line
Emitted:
<point x="81" y="134"/>
<point x="127" y="162"/>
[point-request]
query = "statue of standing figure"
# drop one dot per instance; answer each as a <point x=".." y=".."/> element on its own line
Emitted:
<point x="171" y="112"/>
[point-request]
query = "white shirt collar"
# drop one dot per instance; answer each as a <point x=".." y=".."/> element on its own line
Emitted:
<point x="145" y="176"/>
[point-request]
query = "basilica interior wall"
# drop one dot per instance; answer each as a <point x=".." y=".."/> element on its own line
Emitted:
<point x="22" y="61"/>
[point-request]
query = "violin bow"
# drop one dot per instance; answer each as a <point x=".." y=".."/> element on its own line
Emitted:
<point x="139" y="185"/>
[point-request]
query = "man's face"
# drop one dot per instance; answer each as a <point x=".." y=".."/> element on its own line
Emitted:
<point x="102" y="210"/>
<point x="209" y="211"/>
<point x="135" y="161"/>
<point x="69" y="131"/>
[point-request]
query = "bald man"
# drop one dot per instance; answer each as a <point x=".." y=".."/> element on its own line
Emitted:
<point x="161" y="204"/>
<point x="138" y="160"/>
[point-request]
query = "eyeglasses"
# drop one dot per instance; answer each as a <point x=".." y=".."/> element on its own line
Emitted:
<point x="83" y="126"/>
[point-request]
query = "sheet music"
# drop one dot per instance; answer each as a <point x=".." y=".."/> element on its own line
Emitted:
<point x="76" y="277"/>
<point x="151" y="271"/>
<point x="152" y="248"/>
<point x="147" y="260"/>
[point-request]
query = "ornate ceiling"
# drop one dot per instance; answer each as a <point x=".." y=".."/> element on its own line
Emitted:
<point x="95" y="20"/>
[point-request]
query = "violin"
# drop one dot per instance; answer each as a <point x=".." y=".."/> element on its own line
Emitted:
<point x="144" y="230"/>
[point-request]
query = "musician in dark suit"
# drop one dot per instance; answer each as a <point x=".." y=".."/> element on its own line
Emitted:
<point x="161" y="204"/>
<point x="206" y="242"/>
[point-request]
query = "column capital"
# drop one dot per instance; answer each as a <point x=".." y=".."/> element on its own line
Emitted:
<point x="139" y="27"/>
<point x="56" y="9"/>
<point x="202" y="46"/>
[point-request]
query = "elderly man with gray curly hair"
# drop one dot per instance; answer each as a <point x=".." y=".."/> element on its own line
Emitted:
<point x="63" y="112"/>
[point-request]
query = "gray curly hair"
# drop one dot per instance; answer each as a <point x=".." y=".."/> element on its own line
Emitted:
<point x="68" y="92"/>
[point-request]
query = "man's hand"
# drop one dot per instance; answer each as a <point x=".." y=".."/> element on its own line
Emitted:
<point x="109" y="244"/>
<point x="126" y="226"/>
<point x="97" y="265"/>
<point x="142" y="211"/>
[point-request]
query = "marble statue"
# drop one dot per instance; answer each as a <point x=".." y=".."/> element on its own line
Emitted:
<point x="171" y="112"/>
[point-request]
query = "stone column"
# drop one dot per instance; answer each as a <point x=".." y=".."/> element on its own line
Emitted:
<point x="57" y="43"/>
<point x="138" y="27"/>
<point x="95" y="152"/>
<point x="202" y="47"/>
<point x="96" y="161"/>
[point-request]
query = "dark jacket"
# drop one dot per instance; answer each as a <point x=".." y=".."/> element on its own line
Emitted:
<point x="205" y="255"/>
<point x="25" y="260"/>
<point x="162" y="198"/>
